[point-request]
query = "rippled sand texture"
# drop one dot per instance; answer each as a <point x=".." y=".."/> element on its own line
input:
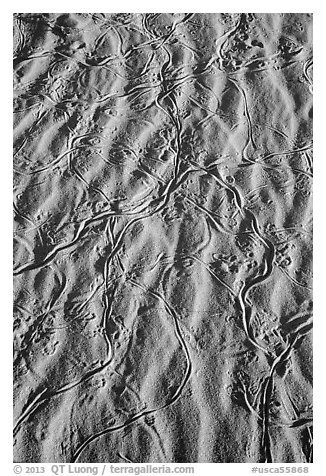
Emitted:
<point x="162" y="199"/>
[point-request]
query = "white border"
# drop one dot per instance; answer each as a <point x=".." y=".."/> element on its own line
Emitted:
<point x="163" y="6"/>
<point x="319" y="12"/>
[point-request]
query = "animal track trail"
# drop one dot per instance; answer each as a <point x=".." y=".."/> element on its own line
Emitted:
<point x="163" y="248"/>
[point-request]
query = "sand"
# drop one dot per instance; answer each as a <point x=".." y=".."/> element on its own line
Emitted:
<point x="163" y="238"/>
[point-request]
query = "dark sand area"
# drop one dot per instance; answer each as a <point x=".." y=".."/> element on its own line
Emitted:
<point x="163" y="238"/>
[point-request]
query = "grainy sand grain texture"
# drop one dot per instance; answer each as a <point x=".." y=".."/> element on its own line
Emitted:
<point x="162" y="238"/>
